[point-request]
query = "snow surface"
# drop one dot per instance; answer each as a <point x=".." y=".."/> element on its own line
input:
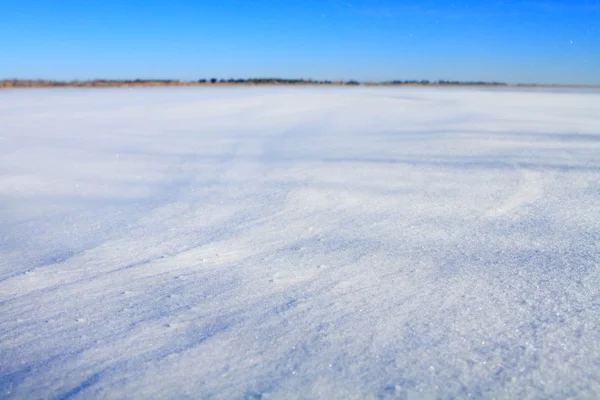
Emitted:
<point x="299" y="243"/>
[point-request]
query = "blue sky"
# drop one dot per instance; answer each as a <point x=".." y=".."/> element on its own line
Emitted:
<point x="511" y="41"/>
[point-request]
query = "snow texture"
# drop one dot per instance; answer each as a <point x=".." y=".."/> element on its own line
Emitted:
<point x="309" y="243"/>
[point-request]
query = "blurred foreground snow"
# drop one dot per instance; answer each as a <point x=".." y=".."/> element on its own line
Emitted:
<point x="299" y="243"/>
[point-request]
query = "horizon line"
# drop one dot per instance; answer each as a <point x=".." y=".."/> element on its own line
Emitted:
<point x="40" y="82"/>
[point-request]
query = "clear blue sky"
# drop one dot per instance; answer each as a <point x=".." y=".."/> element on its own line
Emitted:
<point x="546" y="41"/>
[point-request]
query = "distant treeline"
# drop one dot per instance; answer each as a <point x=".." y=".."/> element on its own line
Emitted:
<point x="89" y="83"/>
<point x="444" y="82"/>
<point x="92" y="83"/>
<point x="167" y="82"/>
<point x="231" y="81"/>
<point x="272" y="81"/>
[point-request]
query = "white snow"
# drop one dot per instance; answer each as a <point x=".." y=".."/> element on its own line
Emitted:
<point x="299" y="243"/>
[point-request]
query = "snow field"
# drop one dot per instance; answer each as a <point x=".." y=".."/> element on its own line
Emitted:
<point x="299" y="243"/>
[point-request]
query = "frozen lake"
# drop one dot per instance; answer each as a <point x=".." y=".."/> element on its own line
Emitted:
<point x="299" y="243"/>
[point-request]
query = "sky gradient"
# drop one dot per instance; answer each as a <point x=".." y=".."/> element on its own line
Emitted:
<point x="510" y="41"/>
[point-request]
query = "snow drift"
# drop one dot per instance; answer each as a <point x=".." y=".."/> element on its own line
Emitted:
<point x="299" y="243"/>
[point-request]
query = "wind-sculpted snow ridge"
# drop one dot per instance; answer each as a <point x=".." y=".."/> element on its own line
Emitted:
<point x="310" y="243"/>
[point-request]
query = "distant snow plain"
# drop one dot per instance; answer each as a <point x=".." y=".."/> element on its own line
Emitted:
<point x="299" y="243"/>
